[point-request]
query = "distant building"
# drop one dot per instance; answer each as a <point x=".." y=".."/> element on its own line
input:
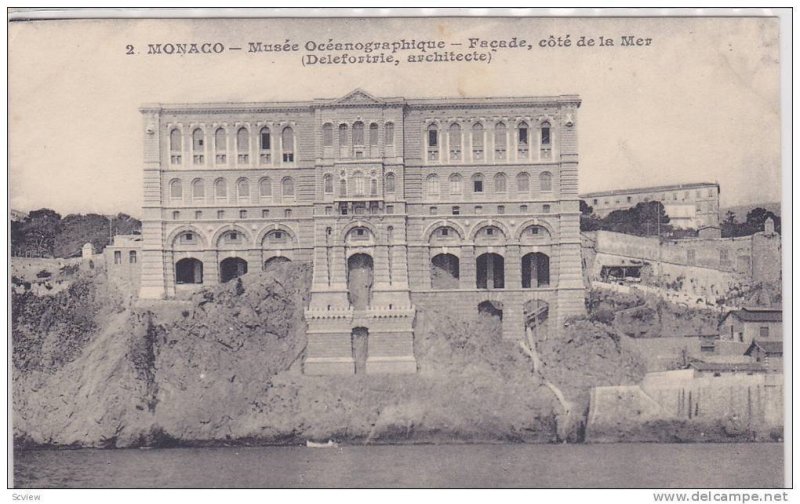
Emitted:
<point x="767" y="353"/>
<point x="87" y="251"/>
<point x="749" y="324"/>
<point x="122" y="260"/>
<point x="689" y="206"/>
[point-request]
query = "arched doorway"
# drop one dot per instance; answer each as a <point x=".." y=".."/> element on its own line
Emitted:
<point x="231" y="268"/>
<point x="490" y="272"/>
<point x="493" y="309"/>
<point x="275" y="262"/>
<point x="360" y="342"/>
<point x="189" y="271"/>
<point x="359" y="280"/>
<point x="444" y="271"/>
<point x="535" y="270"/>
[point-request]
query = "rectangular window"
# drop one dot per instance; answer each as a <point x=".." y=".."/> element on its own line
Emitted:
<point x="477" y="186"/>
<point x="198" y="214"/>
<point x="265" y="213"/>
<point x="117" y="257"/>
<point x="328" y="210"/>
<point x="132" y="257"/>
<point x="523" y="209"/>
<point x="763" y="332"/>
<point x="444" y="231"/>
<point x="501" y="209"/>
<point x="176" y="215"/>
<point x="594" y="201"/>
<point x="220" y="214"/>
<point x="389" y="209"/>
<point x="456" y="210"/>
<point x="629" y="199"/>
<point x="242" y="214"/>
<point x="546" y="208"/>
<point x="478" y="209"/>
<point x="287" y="213"/>
<point x="433" y="138"/>
<point x="433" y="210"/>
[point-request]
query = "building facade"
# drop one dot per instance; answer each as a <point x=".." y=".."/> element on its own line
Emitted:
<point x="689" y="206"/>
<point x="465" y="203"/>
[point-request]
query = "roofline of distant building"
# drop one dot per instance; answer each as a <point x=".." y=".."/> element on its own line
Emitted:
<point x="371" y="101"/>
<point x="673" y="187"/>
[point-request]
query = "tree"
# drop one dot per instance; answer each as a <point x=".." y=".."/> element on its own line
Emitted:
<point x="40" y="229"/>
<point x="730" y="218"/>
<point x="756" y="217"/>
<point x="646" y="218"/>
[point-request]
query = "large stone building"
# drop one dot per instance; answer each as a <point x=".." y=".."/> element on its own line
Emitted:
<point x="466" y="203"/>
<point x="689" y="206"/>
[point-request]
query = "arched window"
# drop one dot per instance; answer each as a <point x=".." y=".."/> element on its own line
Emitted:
<point x="327" y="135"/>
<point x="358" y="133"/>
<point x="546" y="181"/>
<point x="523" y="182"/>
<point x="373" y="186"/>
<point x="455" y="141"/>
<point x="220" y="145"/>
<point x="342" y="187"/>
<point x="456" y="184"/>
<point x="358" y="184"/>
<point x="175" y="189"/>
<point x="545" y="133"/>
<point x="535" y="270"/>
<point x="500" y="183"/>
<point x="388" y="132"/>
<point x="265" y="187"/>
<point x="477" y="141"/>
<point x="189" y="271"/>
<point x="432" y="184"/>
<point x="287" y="185"/>
<point x="198" y="149"/>
<point x="175" y="146"/>
<point x="342" y="135"/>
<point x="265" y="145"/>
<point x="287" y="144"/>
<point x="477" y="183"/>
<point x="545" y="141"/>
<point x="243" y="145"/>
<point x="500" y="141"/>
<point x="220" y="188"/>
<point x="243" y="188"/>
<point x="373" y="134"/>
<point x="433" y="143"/>
<point x="198" y="189"/>
<point x="389" y="183"/>
<point x="327" y="183"/>
<point x="523" y="140"/>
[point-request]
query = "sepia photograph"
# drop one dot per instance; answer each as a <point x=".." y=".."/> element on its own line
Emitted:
<point x="287" y="249"/>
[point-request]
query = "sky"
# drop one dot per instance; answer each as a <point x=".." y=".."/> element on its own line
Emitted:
<point x="700" y="103"/>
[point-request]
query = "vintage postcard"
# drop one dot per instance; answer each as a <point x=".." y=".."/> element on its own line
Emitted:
<point x="419" y="251"/>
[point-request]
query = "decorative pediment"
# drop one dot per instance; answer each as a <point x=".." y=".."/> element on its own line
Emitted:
<point x="359" y="97"/>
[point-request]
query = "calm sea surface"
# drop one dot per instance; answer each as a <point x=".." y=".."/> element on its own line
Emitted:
<point x="517" y="465"/>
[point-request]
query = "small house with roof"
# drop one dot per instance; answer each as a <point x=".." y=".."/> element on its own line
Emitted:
<point x="767" y="353"/>
<point x="747" y="324"/>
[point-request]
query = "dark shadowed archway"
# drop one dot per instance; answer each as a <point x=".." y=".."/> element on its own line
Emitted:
<point x="444" y="271"/>
<point x="189" y="271"/>
<point x="359" y="280"/>
<point x="231" y="268"/>
<point x="490" y="271"/>
<point x="275" y="262"/>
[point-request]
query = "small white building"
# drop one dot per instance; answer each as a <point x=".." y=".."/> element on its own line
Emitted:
<point x="87" y="251"/>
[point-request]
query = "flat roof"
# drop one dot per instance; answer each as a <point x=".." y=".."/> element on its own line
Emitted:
<point x="673" y="187"/>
